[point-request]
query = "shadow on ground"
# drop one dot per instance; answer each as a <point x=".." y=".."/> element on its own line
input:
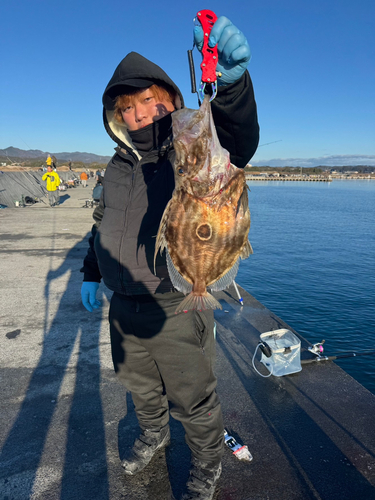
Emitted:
<point x="85" y="464"/>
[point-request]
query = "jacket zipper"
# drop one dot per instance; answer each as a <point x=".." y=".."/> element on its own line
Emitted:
<point x="121" y="273"/>
<point x="134" y="173"/>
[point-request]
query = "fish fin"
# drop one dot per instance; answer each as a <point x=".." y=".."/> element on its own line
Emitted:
<point x="226" y="280"/>
<point x="243" y="201"/>
<point x="178" y="281"/>
<point x="198" y="302"/>
<point x="161" y="242"/>
<point x="247" y="250"/>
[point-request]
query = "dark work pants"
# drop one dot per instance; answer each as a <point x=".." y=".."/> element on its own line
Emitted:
<point x="161" y="356"/>
<point x="53" y="197"/>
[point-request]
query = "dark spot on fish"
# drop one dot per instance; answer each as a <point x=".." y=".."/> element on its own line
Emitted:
<point x="13" y="334"/>
<point x="204" y="232"/>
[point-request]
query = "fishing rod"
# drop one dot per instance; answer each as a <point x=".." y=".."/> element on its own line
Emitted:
<point x="319" y="358"/>
<point x="240" y="299"/>
<point x="267" y="143"/>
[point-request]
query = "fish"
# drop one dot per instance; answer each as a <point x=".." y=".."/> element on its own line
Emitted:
<point x="205" y="225"/>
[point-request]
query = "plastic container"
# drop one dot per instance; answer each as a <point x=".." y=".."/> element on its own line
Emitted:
<point x="284" y="352"/>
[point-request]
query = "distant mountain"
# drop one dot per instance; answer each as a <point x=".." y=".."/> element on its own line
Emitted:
<point x="22" y="154"/>
<point x="322" y="161"/>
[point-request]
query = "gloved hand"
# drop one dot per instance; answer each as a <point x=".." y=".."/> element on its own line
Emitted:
<point x="88" y="295"/>
<point x="233" y="49"/>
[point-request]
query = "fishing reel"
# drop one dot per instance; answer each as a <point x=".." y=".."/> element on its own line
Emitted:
<point x="317" y="348"/>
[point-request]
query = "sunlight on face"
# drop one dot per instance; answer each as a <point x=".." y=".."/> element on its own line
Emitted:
<point x="145" y="109"/>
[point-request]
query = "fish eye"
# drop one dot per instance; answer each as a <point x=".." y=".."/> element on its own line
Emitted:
<point x="181" y="171"/>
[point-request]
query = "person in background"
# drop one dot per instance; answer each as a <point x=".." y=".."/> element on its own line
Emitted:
<point x="84" y="178"/>
<point x="54" y="163"/>
<point x="97" y="191"/>
<point x="97" y="175"/>
<point x="53" y="182"/>
<point x="49" y="161"/>
<point x="165" y="360"/>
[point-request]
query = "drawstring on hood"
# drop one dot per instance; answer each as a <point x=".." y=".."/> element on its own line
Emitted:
<point x="134" y="71"/>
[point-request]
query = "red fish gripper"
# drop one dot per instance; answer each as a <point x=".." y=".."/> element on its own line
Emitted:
<point x="207" y="18"/>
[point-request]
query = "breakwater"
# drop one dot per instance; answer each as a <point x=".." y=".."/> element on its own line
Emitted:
<point x="293" y="178"/>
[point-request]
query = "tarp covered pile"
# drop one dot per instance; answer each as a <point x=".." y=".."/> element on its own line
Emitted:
<point x="14" y="185"/>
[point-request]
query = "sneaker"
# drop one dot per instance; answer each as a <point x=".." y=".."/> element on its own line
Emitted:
<point x="145" y="448"/>
<point x="202" y="481"/>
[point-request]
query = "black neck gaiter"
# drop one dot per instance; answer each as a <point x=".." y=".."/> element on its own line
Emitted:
<point x="153" y="136"/>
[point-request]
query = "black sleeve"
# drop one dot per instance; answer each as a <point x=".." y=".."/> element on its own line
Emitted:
<point x="235" y="114"/>
<point x="90" y="263"/>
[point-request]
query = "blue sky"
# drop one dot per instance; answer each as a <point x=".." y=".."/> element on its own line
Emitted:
<point x="313" y="69"/>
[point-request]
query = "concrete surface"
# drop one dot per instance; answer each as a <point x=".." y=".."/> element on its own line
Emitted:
<point x="65" y="421"/>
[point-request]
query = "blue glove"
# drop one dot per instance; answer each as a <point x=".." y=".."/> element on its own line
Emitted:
<point x="233" y="49"/>
<point x="88" y="295"/>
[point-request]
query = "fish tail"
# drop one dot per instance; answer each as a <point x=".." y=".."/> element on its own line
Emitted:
<point x="198" y="302"/>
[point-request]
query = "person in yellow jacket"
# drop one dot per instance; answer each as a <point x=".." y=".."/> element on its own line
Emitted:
<point x="53" y="183"/>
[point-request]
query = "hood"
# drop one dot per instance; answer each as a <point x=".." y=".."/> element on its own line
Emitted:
<point x="133" y="71"/>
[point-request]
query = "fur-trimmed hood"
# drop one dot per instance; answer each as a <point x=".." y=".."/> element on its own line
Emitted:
<point x="133" y="71"/>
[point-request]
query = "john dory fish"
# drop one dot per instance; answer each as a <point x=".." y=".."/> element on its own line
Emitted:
<point x="205" y="225"/>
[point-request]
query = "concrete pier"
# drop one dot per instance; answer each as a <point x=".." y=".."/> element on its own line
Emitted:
<point x="65" y="421"/>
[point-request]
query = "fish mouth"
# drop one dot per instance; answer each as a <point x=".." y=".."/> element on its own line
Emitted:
<point x="208" y="184"/>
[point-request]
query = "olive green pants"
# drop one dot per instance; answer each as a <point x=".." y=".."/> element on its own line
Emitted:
<point x="164" y="357"/>
<point x="54" y="197"/>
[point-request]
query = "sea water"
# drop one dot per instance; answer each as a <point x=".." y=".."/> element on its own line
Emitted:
<point x="314" y="263"/>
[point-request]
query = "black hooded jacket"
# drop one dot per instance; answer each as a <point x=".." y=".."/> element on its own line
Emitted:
<point x="137" y="187"/>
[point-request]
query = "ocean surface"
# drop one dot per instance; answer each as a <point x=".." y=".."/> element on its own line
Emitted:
<point x="314" y="263"/>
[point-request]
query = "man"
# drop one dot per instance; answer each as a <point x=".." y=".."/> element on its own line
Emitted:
<point x="162" y="358"/>
<point x="97" y="191"/>
<point x="84" y="178"/>
<point x="53" y="183"/>
<point x="49" y="161"/>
